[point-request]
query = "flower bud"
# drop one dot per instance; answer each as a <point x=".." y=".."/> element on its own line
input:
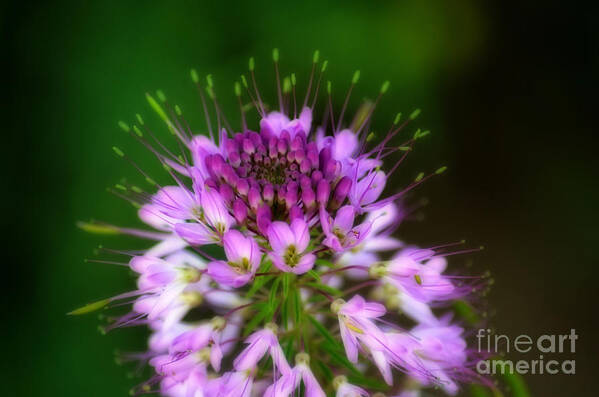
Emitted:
<point x="324" y="156"/>
<point x="254" y="198"/>
<point x="242" y="186"/>
<point x="341" y="192"/>
<point x="308" y="198"/>
<point x="240" y="210"/>
<point x="305" y="166"/>
<point x="226" y="192"/>
<point x="295" y="212"/>
<point x="323" y="190"/>
<point x="268" y="193"/>
<point x="234" y="159"/>
<point x="248" y="146"/>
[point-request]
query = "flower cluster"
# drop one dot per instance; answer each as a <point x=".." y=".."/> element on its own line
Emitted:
<point x="274" y="269"/>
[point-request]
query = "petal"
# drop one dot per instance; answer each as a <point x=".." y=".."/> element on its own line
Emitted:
<point x="214" y="210"/>
<point x="383" y="217"/>
<point x="167" y="246"/>
<point x="222" y="273"/>
<point x="383" y="364"/>
<point x="378" y="243"/>
<point x="301" y="234"/>
<point x="216" y="356"/>
<point x="326" y="221"/>
<point x="313" y="388"/>
<point x="174" y="201"/>
<point x="368" y="189"/>
<point x="280" y="236"/>
<point x="279" y="360"/>
<point x="195" y="233"/>
<point x="279" y="262"/>
<point x="250" y="356"/>
<point x="236" y="246"/>
<point x="305" y="119"/>
<point x="344" y="219"/>
<point x="349" y="342"/>
<point x="167" y="297"/>
<point x="151" y="215"/>
<point x="306" y="263"/>
<point x="345" y="143"/>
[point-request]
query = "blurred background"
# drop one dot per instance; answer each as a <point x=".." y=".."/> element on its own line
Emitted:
<point x="506" y="88"/>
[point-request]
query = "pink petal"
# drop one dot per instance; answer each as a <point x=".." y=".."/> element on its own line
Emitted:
<point x="280" y="236"/>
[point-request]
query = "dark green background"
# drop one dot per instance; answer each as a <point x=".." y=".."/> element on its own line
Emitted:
<point x="507" y="90"/>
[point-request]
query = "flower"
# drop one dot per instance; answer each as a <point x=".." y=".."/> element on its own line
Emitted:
<point x="289" y="243"/>
<point x="357" y="327"/>
<point x="290" y="381"/>
<point x="340" y="233"/>
<point x="346" y="389"/>
<point x="259" y="343"/>
<point x="260" y="237"/>
<point x="243" y="255"/>
<point x="437" y="354"/>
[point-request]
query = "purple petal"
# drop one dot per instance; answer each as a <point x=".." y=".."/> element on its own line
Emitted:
<point x="237" y="246"/>
<point x="306" y="263"/>
<point x="222" y="273"/>
<point x="344" y="145"/>
<point x="280" y="236"/>
<point x="301" y="234"/>
<point x="349" y="342"/>
<point x="344" y="219"/>
<point x="195" y="233"/>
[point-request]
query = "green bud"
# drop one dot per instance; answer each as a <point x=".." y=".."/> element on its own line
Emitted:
<point x="414" y="114"/>
<point x="397" y="118"/>
<point x="251" y="64"/>
<point x="275" y="54"/>
<point x="286" y="85"/>
<point x="194" y="76"/>
<point x="124" y="126"/>
<point x="90" y="307"/>
<point x="441" y="170"/>
<point x="118" y="151"/>
<point x="237" y="89"/>
<point x="324" y="66"/>
<point x="315" y="56"/>
<point x="139" y="119"/>
<point x="160" y="95"/>
<point x="356" y="77"/>
<point x="137" y="131"/>
<point x="419" y="177"/>
<point x="385" y="87"/>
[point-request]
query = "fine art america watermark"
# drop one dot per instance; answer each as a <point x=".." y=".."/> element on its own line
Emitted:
<point x="548" y="347"/>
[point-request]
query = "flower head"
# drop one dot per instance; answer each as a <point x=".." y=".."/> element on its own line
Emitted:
<point x="263" y="234"/>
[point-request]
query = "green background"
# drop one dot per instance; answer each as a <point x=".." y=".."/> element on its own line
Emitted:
<point x="506" y="89"/>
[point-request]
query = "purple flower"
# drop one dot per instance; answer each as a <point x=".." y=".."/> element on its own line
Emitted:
<point x="294" y="192"/>
<point x="290" y="381"/>
<point x="437" y="355"/>
<point x="289" y="244"/>
<point x="214" y="217"/>
<point x="423" y="281"/>
<point x="357" y="327"/>
<point x="243" y="259"/>
<point x="346" y="389"/>
<point x="259" y="343"/>
<point x="340" y="232"/>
